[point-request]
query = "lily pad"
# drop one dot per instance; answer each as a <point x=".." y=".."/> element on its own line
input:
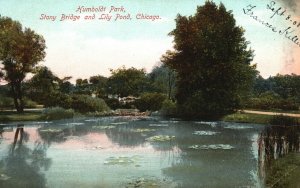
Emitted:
<point x="213" y="147"/>
<point x="121" y="160"/>
<point x="51" y="130"/>
<point x="143" y="130"/>
<point x="160" y="138"/>
<point x="119" y="123"/>
<point x="205" y="133"/>
<point x="104" y="127"/>
<point x="238" y="127"/>
<point x="169" y="121"/>
<point x="4" y="177"/>
<point x="213" y="124"/>
<point x="144" y="182"/>
<point x="158" y="125"/>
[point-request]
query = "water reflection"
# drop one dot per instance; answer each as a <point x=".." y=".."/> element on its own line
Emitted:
<point x="275" y="142"/>
<point x="81" y="150"/>
<point x="21" y="167"/>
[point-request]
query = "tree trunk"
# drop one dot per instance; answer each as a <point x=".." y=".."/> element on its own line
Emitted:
<point x="17" y="96"/>
<point x="169" y="84"/>
<point x="20" y="97"/>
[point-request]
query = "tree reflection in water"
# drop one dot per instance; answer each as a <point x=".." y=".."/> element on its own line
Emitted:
<point x="275" y="142"/>
<point x="23" y="165"/>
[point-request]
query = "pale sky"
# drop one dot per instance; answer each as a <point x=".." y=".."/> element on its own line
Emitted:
<point x="85" y="48"/>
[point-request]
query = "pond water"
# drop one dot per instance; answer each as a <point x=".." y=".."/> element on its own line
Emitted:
<point x="138" y="152"/>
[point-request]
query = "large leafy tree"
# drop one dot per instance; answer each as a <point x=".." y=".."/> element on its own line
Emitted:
<point x="21" y="49"/>
<point x="42" y="84"/>
<point x="212" y="60"/>
<point x="124" y="82"/>
<point x="99" y="85"/>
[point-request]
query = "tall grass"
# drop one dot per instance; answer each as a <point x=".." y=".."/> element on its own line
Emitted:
<point x="284" y="120"/>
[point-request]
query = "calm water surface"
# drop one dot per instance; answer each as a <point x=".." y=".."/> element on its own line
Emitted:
<point x="134" y="152"/>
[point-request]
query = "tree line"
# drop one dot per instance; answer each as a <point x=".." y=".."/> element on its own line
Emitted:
<point x="208" y="74"/>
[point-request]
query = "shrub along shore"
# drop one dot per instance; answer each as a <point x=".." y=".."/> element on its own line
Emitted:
<point x="57" y="113"/>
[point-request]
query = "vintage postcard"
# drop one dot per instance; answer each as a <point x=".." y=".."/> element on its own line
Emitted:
<point x="149" y="93"/>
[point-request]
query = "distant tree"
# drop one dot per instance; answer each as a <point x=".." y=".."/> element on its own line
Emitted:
<point x="80" y="82"/>
<point x="125" y="82"/>
<point x="98" y="85"/>
<point x="42" y="84"/>
<point x="65" y="86"/>
<point x="287" y="86"/>
<point x="82" y="87"/>
<point x="212" y="61"/>
<point x="20" y="51"/>
<point x="262" y="85"/>
<point x="163" y="80"/>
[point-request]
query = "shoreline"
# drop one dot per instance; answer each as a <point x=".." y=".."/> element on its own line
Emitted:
<point x="244" y="116"/>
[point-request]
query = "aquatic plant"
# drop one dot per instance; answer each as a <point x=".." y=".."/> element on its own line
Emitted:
<point x="284" y="120"/>
<point x="213" y="147"/>
<point x="142" y="130"/>
<point x="206" y="133"/>
<point x="104" y="127"/>
<point x="122" y="160"/>
<point x="160" y="138"/>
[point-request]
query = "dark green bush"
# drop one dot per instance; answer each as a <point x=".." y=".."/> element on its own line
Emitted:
<point x="29" y="103"/>
<point x="113" y="103"/>
<point x="58" y="99"/>
<point x="150" y="101"/>
<point x="168" y="108"/>
<point x="86" y="103"/>
<point x="271" y="101"/>
<point x="57" y="113"/>
<point x="6" y="102"/>
<point x="197" y="106"/>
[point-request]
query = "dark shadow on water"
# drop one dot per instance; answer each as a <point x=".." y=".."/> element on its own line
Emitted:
<point x="22" y="166"/>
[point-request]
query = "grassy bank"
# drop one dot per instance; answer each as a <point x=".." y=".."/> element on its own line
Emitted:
<point x="36" y="115"/>
<point x="284" y="172"/>
<point x="260" y="118"/>
<point x="7" y="116"/>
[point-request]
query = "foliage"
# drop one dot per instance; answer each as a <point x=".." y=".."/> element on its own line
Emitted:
<point x="212" y="61"/>
<point x="284" y="172"/>
<point x="125" y="82"/>
<point x="168" y="108"/>
<point x="58" y="99"/>
<point x="150" y="101"/>
<point x="85" y="103"/>
<point x="284" y="120"/>
<point x="163" y="80"/>
<point x="29" y="103"/>
<point x="276" y="92"/>
<point x="42" y="85"/>
<point x="271" y="101"/>
<point x="57" y="113"/>
<point x="6" y="102"/>
<point x="13" y="116"/>
<point x="247" y="118"/>
<point x="113" y="103"/>
<point x="98" y="85"/>
<point x="20" y="51"/>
